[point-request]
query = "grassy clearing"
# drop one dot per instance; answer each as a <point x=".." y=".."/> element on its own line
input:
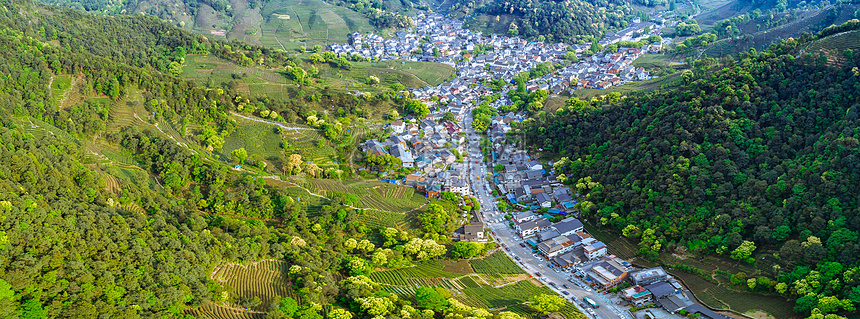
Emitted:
<point x="497" y="263"/>
<point x="431" y="73"/>
<point x="257" y="138"/>
<point x="59" y="88"/>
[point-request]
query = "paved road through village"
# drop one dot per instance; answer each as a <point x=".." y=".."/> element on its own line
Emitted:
<point x="506" y="236"/>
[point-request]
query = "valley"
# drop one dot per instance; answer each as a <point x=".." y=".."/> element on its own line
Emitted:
<point x="352" y="159"/>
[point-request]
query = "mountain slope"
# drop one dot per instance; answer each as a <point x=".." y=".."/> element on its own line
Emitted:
<point x="763" y="149"/>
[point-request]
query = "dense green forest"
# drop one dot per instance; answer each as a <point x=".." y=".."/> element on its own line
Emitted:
<point x="757" y="151"/>
<point x="556" y="21"/>
<point x="169" y="10"/>
<point x="76" y="242"/>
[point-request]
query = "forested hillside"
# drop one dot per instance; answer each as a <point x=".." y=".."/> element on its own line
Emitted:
<point x="761" y="151"/>
<point x="557" y="21"/>
<point x="86" y="237"/>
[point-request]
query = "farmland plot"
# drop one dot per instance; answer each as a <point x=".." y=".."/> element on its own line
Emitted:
<point x="265" y="280"/>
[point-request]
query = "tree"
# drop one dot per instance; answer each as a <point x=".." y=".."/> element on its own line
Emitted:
<point x="390" y="235"/>
<point x="317" y="58"/>
<point x="8" y="298"/>
<point x="380" y="257"/>
<point x="293" y="165"/>
<point x="508" y="315"/>
<point x="376" y="306"/>
<point x="513" y="30"/>
<point x="743" y="251"/>
<point x="289" y="306"/>
<point x="372" y="80"/>
<point x="429" y="298"/>
<point x="339" y="313"/>
<point x="174" y="68"/>
<point x="503" y="206"/>
<point x="434" y="219"/>
<point x="32" y="309"/>
<point x="317" y="48"/>
<point x="546" y="303"/>
<point x="781" y="233"/>
<point x="240" y="155"/>
<point x="805" y="304"/>
<point x="448" y="116"/>
<point x="465" y="249"/>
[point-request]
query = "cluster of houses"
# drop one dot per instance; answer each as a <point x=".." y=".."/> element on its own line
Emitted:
<point x="565" y="243"/>
<point x="431" y="147"/>
<point x="599" y="71"/>
<point x="439" y="39"/>
<point x="647" y="286"/>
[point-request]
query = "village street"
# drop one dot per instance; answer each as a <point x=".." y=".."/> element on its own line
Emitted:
<point x="528" y="261"/>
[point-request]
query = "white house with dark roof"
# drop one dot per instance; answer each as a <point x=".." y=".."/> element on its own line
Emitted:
<point x="532" y="227"/>
<point x="569" y="226"/>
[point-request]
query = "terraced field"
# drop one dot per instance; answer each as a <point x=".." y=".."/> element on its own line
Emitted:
<point x="60" y="85"/>
<point x="497" y="263"/>
<point x="214" y="311"/>
<point x="289" y="24"/>
<point x="374" y="194"/>
<point x="265" y="280"/>
<point x="304" y="142"/>
<point x="508" y="295"/>
<point x="376" y="220"/>
<point x="836" y="44"/>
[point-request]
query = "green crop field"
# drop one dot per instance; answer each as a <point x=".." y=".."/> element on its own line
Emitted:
<point x="214" y="311"/>
<point x="374" y="194"/>
<point x="401" y="277"/>
<point x="497" y="263"/>
<point x="265" y="280"/>
<point x="470" y="289"/>
<point x="836" y="43"/>
<point x="508" y="295"/>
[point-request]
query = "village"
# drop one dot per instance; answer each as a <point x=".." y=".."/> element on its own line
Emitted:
<point x="536" y="222"/>
<point x="479" y="58"/>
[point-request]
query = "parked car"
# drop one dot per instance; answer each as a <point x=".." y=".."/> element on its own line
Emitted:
<point x="565" y="286"/>
<point x="517" y="257"/>
<point x="537" y="274"/>
<point x="566" y="293"/>
<point x="522" y="244"/>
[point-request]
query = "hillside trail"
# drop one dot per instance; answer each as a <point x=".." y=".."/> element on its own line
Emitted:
<point x="274" y="123"/>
